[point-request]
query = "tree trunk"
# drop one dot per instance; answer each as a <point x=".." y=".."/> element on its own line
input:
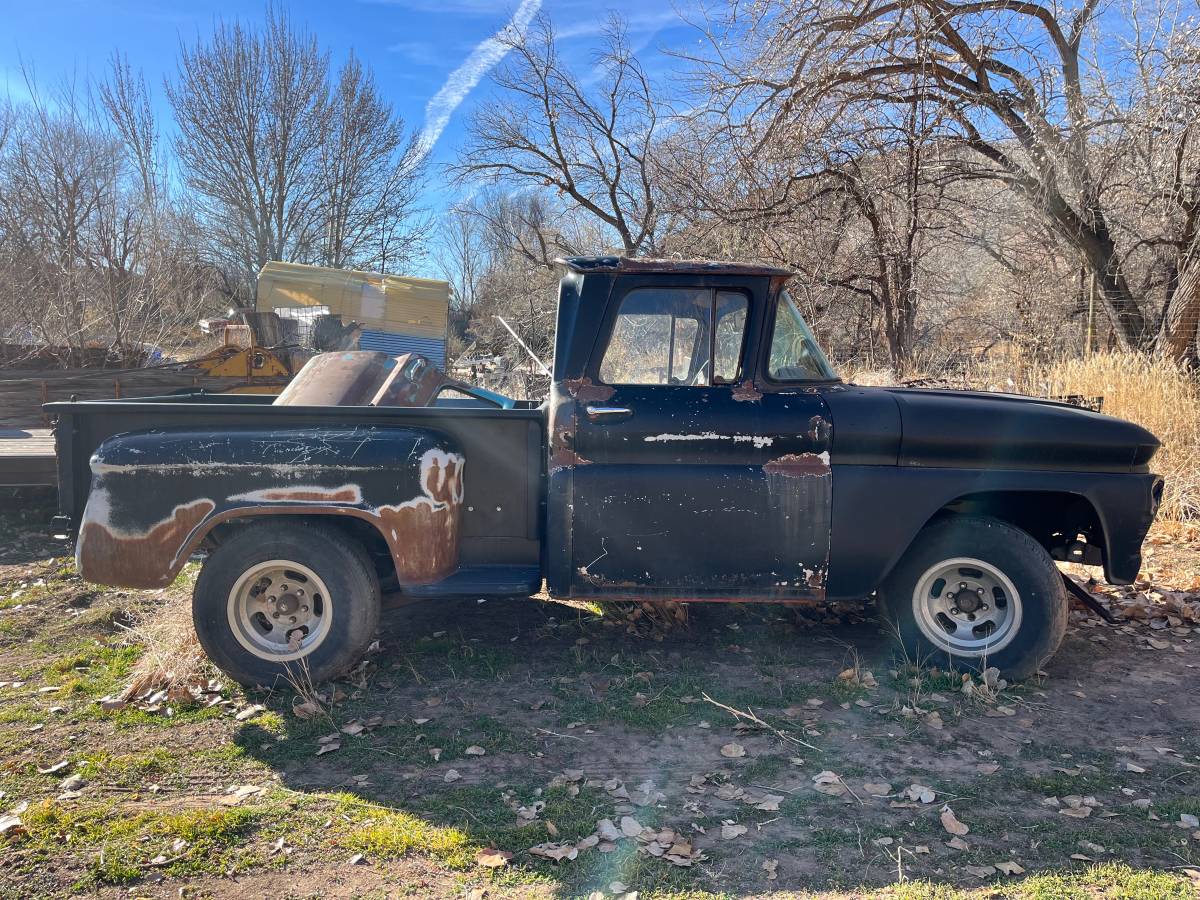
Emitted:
<point x="1178" y="337"/>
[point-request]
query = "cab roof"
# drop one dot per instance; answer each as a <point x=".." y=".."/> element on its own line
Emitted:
<point x="640" y="265"/>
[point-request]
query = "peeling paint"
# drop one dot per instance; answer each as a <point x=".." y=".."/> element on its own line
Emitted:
<point x="423" y="532"/>
<point x="746" y="391"/>
<point x="347" y="493"/>
<point x="565" y="458"/>
<point x="585" y="391"/>
<point x="106" y="554"/>
<point x="799" y="465"/>
<point x="759" y="440"/>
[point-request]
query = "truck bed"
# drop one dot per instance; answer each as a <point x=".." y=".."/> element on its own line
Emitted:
<point x="503" y="511"/>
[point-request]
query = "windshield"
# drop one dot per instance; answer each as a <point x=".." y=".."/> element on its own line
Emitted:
<point x="795" y="355"/>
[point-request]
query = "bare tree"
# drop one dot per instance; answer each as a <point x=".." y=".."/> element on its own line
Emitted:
<point x="371" y="178"/>
<point x="88" y="229"/>
<point x="1014" y="82"/>
<point x="590" y="143"/>
<point x="252" y="110"/>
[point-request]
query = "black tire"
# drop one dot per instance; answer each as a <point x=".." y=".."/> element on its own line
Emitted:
<point x="348" y="577"/>
<point x="1040" y="603"/>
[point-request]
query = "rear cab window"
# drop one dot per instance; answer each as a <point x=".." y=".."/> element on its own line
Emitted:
<point x="676" y="336"/>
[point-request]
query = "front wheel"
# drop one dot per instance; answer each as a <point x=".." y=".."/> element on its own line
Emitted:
<point x="291" y="600"/>
<point x="976" y="592"/>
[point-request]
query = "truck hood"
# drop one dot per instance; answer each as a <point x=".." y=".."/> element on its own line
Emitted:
<point x="974" y="429"/>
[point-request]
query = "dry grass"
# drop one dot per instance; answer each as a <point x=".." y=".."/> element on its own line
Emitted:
<point x="173" y="659"/>
<point x="1150" y="391"/>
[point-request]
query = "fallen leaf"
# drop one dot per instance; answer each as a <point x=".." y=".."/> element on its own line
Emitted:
<point x="731" y="831"/>
<point x="451" y="775"/>
<point x="305" y="710"/>
<point x="557" y="852"/>
<point x="1009" y="868"/>
<point x="1137" y="770"/>
<point x="951" y="823"/>
<point x="829" y="783"/>
<point x="475" y="750"/>
<point x="920" y="793"/>
<point x="733" y="751"/>
<point x="630" y="827"/>
<point x="981" y="871"/>
<point x="877" y="789"/>
<point x="250" y="712"/>
<point x="238" y="793"/>
<point x="771" y="867"/>
<point x="957" y="843"/>
<point x="492" y="859"/>
<point x="10" y="826"/>
<point x="608" y="831"/>
<point x="988" y="768"/>
<point x="57" y="767"/>
<point x="769" y="803"/>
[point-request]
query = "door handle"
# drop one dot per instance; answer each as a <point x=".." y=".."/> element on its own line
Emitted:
<point x="608" y="412"/>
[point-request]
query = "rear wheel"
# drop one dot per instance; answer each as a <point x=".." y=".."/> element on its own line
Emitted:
<point x="286" y="600"/>
<point x="976" y="592"/>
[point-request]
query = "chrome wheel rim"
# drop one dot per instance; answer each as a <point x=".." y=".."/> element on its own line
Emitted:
<point x="967" y="607"/>
<point x="280" y="610"/>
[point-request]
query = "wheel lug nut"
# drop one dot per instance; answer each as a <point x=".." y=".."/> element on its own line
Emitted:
<point x="961" y="585"/>
<point x="970" y="617"/>
<point x="275" y="615"/>
<point x="293" y="619"/>
<point x="979" y="590"/>
<point x="304" y="609"/>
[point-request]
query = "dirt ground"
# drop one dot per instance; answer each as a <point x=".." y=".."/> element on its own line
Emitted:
<point x="751" y="751"/>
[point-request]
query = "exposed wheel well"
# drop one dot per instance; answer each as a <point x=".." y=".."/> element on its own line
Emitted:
<point x="1065" y="524"/>
<point x="358" y="530"/>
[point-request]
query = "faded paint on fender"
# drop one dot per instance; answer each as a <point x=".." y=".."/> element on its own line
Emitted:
<point x="422" y="533"/>
<point x="114" y="547"/>
<point x="107" y="554"/>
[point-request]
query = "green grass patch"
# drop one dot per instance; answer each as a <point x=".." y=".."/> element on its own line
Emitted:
<point x="213" y="840"/>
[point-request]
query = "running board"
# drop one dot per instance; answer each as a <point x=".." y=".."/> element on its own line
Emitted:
<point x="482" y="581"/>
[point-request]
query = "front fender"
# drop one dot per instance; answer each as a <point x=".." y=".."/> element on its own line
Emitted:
<point x="154" y="495"/>
<point x="879" y="510"/>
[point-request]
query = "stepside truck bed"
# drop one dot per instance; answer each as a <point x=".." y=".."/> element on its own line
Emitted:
<point x="502" y="508"/>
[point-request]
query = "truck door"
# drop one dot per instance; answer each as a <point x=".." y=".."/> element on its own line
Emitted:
<point x="690" y="481"/>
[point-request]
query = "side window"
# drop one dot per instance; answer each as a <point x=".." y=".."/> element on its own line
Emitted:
<point x="731" y="325"/>
<point x="795" y="355"/>
<point x="670" y="335"/>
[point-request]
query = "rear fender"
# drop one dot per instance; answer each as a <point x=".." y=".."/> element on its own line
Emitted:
<point x="155" y="495"/>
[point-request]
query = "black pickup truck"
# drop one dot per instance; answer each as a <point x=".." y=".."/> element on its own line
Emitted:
<point x="695" y="446"/>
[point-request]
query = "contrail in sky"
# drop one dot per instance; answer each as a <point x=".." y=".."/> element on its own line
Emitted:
<point x="463" y="79"/>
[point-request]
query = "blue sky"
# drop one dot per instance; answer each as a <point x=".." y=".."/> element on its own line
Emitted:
<point x="414" y="46"/>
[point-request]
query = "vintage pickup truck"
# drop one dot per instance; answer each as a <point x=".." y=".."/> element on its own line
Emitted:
<point x="695" y="446"/>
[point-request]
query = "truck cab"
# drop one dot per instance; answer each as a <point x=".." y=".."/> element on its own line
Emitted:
<point x="695" y="446"/>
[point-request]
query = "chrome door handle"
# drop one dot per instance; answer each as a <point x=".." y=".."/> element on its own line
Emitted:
<point x="616" y="412"/>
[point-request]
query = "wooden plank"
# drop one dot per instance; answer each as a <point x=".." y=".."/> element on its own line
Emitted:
<point x="27" y="457"/>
